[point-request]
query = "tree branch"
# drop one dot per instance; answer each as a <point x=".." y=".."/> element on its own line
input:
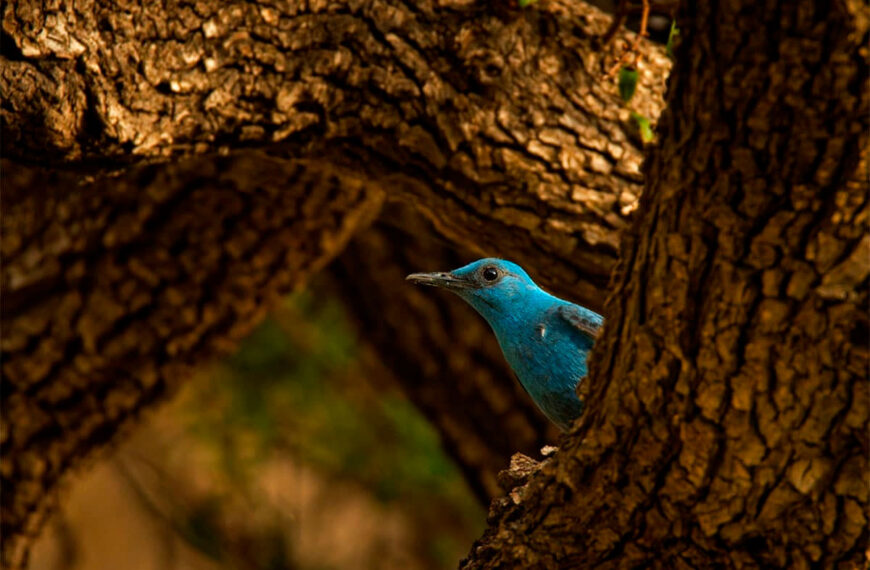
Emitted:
<point x="173" y="169"/>
<point x="114" y="288"/>
<point x="498" y="124"/>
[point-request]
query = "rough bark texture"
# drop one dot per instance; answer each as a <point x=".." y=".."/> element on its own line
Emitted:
<point x="495" y="120"/>
<point x="728" y="419"/>
<point x="145" y="148"/>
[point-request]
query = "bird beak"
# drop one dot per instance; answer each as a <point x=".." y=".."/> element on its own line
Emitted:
<point x="444" y="280"/>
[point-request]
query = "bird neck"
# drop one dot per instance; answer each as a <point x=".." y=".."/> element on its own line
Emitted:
<point x="509" y="315"/>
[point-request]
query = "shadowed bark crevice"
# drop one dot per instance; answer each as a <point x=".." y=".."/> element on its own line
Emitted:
<point x="441" y="353"/>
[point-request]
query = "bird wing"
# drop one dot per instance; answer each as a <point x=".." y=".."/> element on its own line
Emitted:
<point x="583" y="320"/>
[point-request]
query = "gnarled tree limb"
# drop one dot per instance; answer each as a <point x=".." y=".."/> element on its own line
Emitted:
<point x="494" y="121"/>
<point x="173" y="167"/>
<point x="113" y="289"/>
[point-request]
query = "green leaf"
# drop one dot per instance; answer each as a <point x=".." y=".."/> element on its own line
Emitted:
<point x="524" y="3"/>
<point x="643" y="126"/>
<point x="672" y="38"/>
<point x="627" y="83"/>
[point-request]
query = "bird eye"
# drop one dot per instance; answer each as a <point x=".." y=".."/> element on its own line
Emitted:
<point x="490" y="273"/>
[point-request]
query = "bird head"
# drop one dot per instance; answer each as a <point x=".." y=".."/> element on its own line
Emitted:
<point x="492" y="286"/>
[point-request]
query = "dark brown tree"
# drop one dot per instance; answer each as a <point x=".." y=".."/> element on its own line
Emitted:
<point x="728" y="414"/>
<point x="169" y="171"/>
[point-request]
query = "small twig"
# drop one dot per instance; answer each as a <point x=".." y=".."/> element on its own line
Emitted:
<point x="619" y="16"/>
<point x="634" y="48"/>
<point x="644" y="32"/>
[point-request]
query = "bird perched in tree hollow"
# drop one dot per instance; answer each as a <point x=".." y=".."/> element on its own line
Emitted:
<point x="545" y="339"/>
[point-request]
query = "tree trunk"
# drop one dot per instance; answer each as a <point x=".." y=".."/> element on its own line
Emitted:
<point x="727" y="424"/>
<point x="171" y="169"/>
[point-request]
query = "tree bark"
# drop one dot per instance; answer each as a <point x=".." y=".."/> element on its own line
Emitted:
<point x="170" y="169"/>
<point x="727" y="424"/>
<point x="496" y="122"/>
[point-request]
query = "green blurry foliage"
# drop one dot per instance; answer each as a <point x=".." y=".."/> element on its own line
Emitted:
<point x="296" y="387"/>
<point x="673" y="36"/>
<point x="627" y="83"/>
<point x="644" y="127"/>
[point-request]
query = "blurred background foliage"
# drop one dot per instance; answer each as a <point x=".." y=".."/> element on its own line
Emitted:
<point x="292" y="453"/>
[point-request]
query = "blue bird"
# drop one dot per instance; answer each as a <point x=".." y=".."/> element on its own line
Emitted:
<point x="545" y="339"/>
